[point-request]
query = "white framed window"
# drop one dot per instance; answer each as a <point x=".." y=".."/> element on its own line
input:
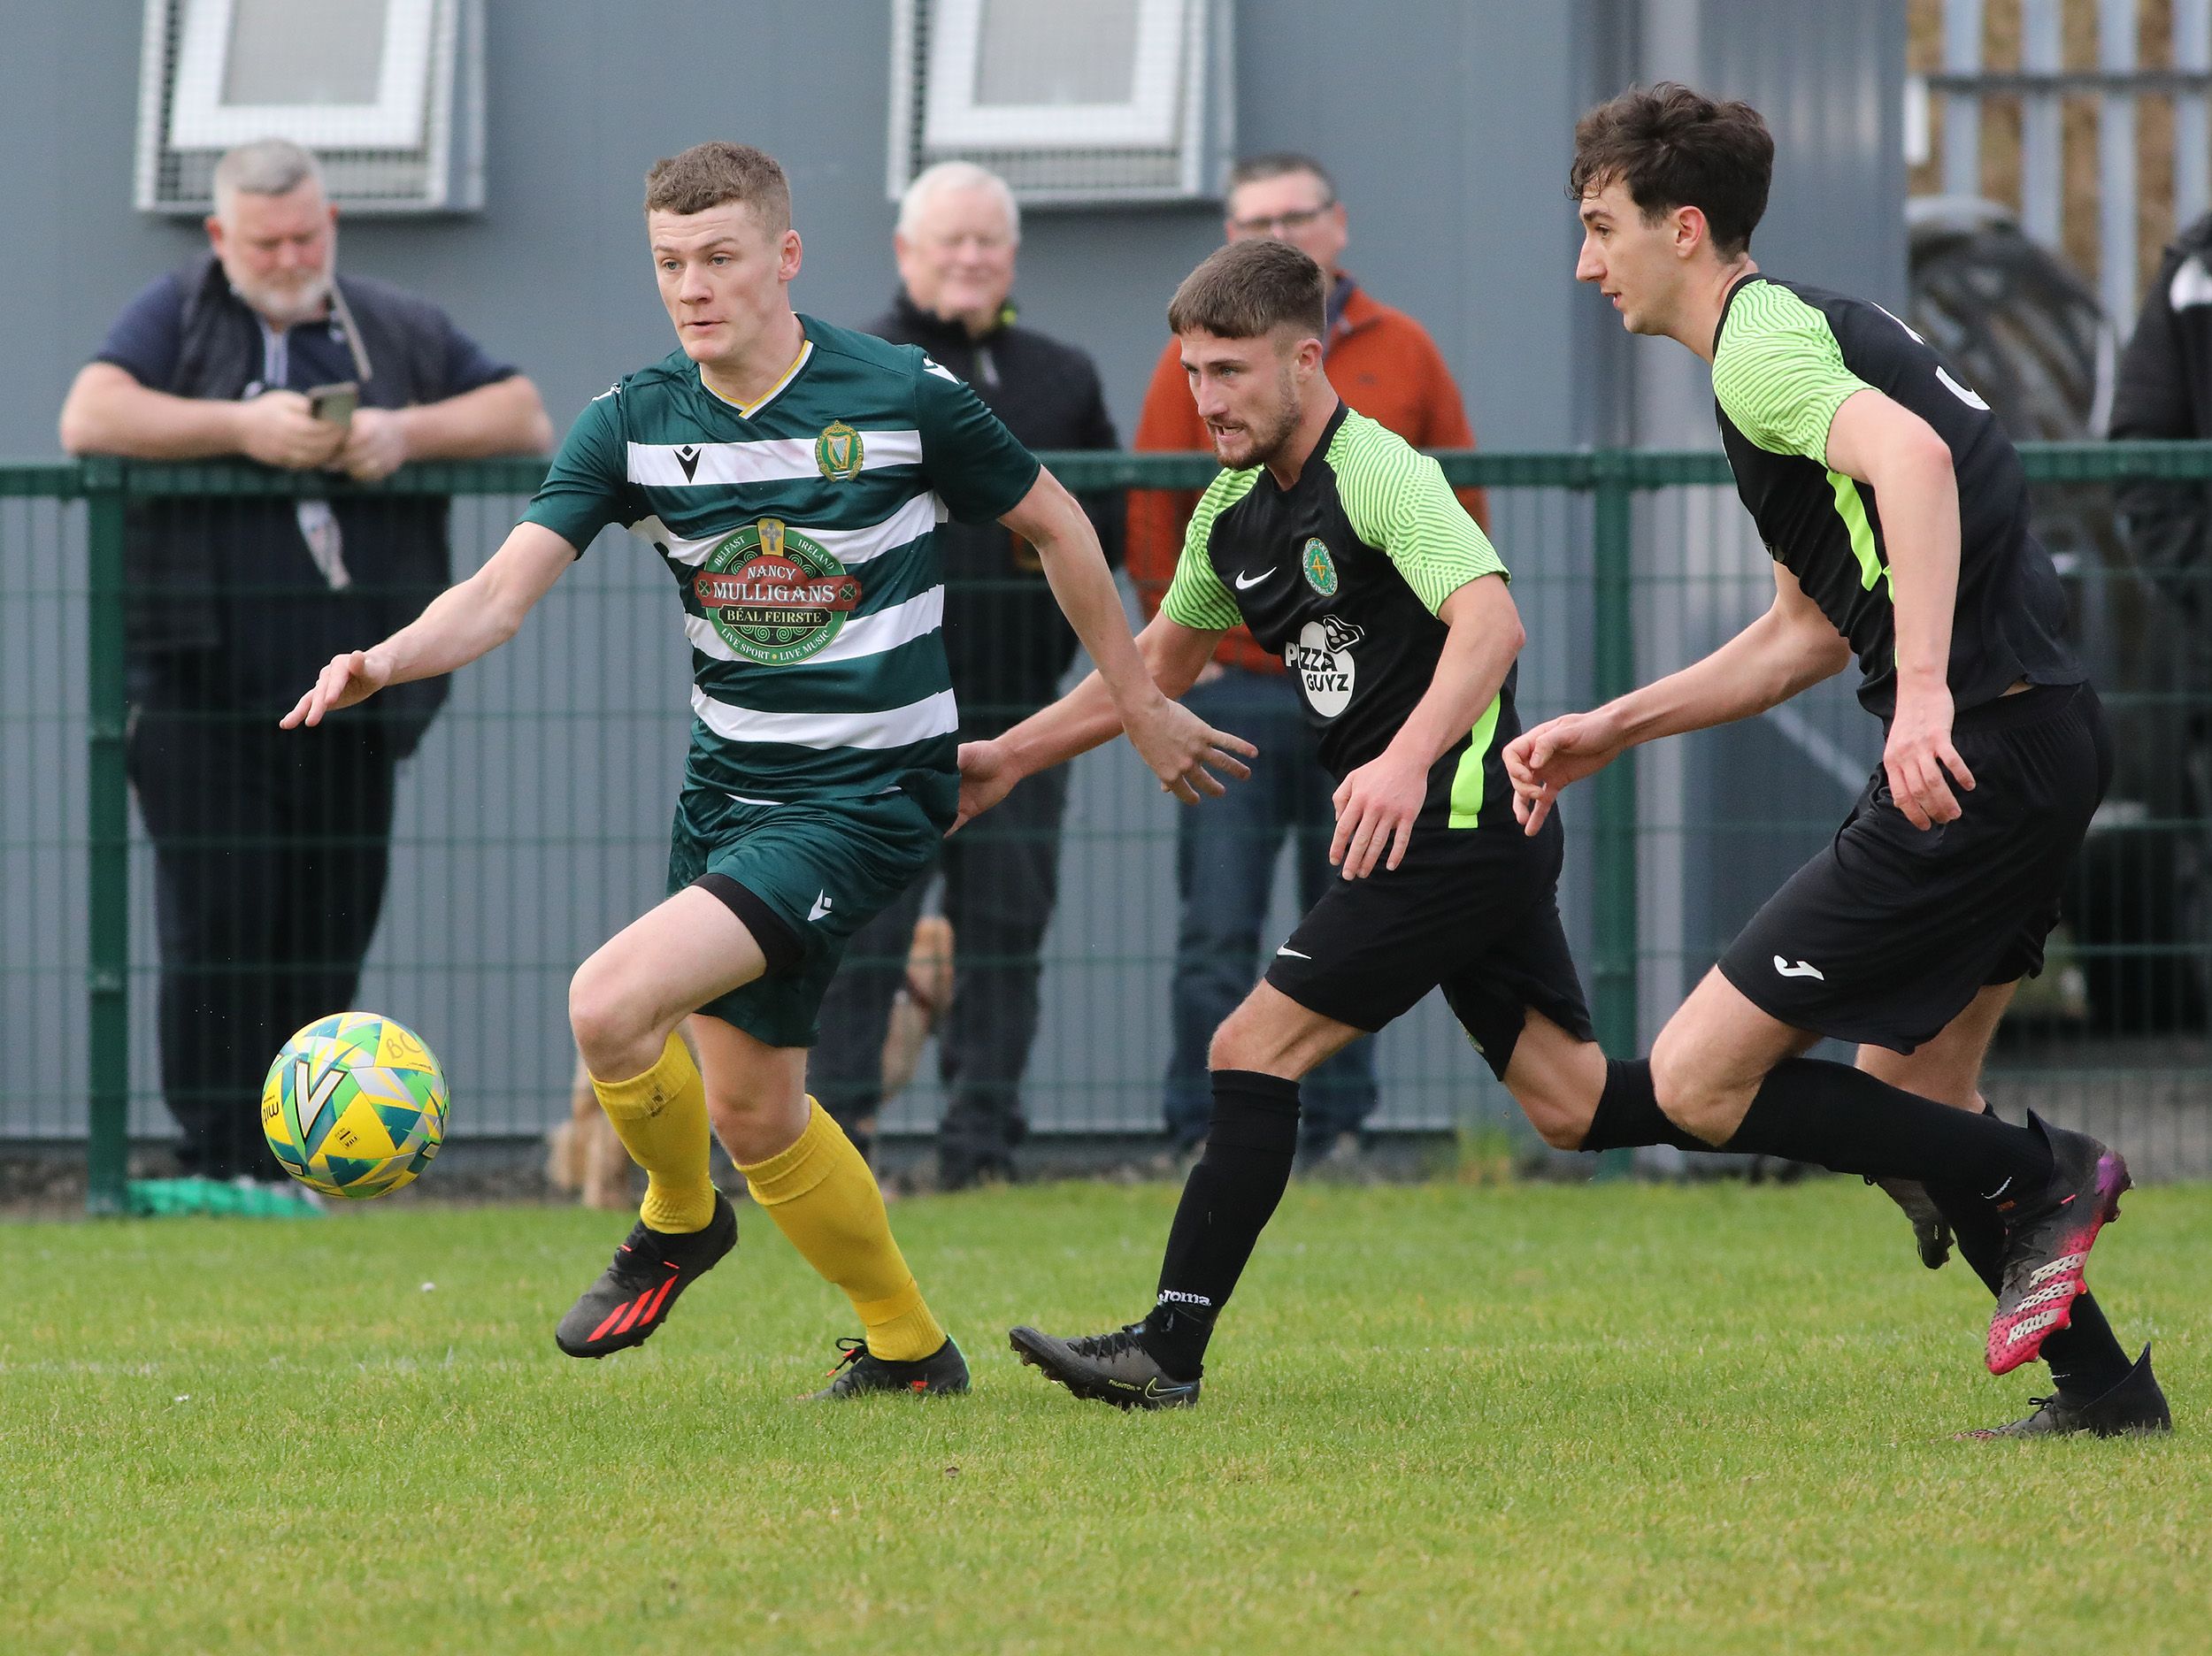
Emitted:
<point x="387" y="93"/>
<point x="351" y="75"/>
<point x="1041" y="75"/>
<point x="1108" y="100"/>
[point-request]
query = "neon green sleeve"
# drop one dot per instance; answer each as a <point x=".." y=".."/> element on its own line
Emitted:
<point x="1397" y="499"/>
<point x="1196" y="598"/>
<point x="1778" y="374"/>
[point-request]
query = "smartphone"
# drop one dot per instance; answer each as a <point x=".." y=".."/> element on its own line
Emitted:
<point x="334" y="403"/>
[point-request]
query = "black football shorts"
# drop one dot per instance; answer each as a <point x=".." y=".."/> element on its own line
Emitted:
<point x="1472" y="911"/>
<point x="1889" y="933"/>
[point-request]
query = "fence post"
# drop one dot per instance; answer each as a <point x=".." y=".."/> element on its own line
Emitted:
<point x="107" y="861"/>
<point x="1613" y="805"/>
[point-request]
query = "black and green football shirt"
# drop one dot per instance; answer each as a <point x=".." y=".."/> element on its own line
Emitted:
<point x="799" y="533"/>
<point x="1784" y="359"/>
<point x="1344" y="573"/>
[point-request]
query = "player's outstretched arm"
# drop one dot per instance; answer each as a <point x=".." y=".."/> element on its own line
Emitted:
<point x="460" y="623"/>
<point x="1085" y="718"/>
<point x="1376" y="805"/>
<point x="1175" y="743"/>
<point x="1885" y="445"/>
<point x="1785" y="650"/>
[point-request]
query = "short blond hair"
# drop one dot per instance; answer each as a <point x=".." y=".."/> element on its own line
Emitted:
<point x="709" y="175"/>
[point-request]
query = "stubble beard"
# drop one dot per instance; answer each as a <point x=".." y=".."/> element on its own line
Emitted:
<point x="1270" y="440"/>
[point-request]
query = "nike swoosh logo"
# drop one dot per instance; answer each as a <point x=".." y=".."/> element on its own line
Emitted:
<point x="1294" y="953"/>
<point x="1784" y="968"/>
<point x="1245" y="583"/>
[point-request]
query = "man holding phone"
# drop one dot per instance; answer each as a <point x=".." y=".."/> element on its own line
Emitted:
<point x="270" y="853"/>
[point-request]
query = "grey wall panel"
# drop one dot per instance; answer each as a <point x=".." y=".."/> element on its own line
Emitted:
<point x="1447" y="122"/>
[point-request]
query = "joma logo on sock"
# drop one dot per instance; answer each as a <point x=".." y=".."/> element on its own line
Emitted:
<point x="1171" y="1296"/>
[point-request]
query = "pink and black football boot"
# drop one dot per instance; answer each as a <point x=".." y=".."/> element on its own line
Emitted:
<point x="2048" y="1239"/>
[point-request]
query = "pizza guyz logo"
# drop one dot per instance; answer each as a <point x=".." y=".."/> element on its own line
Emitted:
<point x="773" y="595"/>
<point x="1322" y="660"/>
<point x="839" y="452"/>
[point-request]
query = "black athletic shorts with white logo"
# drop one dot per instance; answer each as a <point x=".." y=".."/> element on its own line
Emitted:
<point x="1889" y="933"/>
<point x="1474" y="911"/>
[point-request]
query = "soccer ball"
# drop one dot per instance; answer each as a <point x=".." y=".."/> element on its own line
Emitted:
<point x="353" y="1105"/>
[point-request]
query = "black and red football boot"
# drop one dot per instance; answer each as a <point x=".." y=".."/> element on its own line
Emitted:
<point x="634" y="1296"/>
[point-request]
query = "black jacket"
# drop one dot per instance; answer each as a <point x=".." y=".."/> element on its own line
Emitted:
<point x="2164" y="389"/>
<point x="1006" y="640"/>
<point x="225" y="607"/>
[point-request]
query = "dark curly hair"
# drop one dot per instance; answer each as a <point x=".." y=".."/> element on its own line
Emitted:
<point x="1671" y="147"/>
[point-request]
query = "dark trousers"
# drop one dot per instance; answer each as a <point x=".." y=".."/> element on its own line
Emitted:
<point x="1225" y="852"/>
<point x="1001" y="876"/>
<point x="269" y="853"/>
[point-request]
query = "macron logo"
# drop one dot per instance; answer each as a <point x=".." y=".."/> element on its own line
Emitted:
<point x="821" y="906"/>
<point x="688" y="457"/>
<point x="1801" y="970"/>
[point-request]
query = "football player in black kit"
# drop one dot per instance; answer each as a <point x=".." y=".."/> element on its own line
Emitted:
<point x="1897" y="515"/>
<point x="1344" y="548"/>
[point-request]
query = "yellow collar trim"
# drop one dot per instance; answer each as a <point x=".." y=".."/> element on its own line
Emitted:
<point x="806" y="349"/>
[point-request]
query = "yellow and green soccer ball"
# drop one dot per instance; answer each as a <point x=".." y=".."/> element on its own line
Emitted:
<point x="353" y="1105"/>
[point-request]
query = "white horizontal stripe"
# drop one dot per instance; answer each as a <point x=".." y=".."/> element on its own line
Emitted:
<point x="779" y="459"/>
<point x="863" y="635"/>
<point x="850" y="546"/>
<point x="893" y="727"/>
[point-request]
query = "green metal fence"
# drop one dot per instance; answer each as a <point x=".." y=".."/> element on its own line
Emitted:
<point x="1626" y="564"/>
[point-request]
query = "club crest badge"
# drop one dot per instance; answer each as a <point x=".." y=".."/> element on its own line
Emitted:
<point x="772" y="595"/>
<point x="838" y="452"/>
<point x="1320" y="567"/>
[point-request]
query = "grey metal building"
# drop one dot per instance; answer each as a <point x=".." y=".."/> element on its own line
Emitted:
<point x="1449" y="124"/>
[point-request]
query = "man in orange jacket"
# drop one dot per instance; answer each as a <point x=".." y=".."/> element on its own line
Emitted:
<point x="1384" y="363"/>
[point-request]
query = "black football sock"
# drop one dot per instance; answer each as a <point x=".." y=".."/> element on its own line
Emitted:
<point x="1837" y="1117"/>
<point x="1628" y="1116"/>
<point x="1228" y="1201"/>
<point x="2086" y="1356"/>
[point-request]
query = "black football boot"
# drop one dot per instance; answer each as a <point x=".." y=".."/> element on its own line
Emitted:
<point x="943" y="1373"/>
<point x="2134" y="1406"/>
<point x="1106" y="1368"/>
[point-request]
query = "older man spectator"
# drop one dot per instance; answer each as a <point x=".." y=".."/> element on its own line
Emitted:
<point x="1383" y="364"/>
<point x="269" y="850"/>
<point x="958" y="231"/>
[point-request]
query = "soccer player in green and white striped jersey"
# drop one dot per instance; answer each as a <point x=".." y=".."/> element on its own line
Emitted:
<point x="788" y="474"/>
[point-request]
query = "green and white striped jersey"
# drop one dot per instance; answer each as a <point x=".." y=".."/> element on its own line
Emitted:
<point x="799" y="532"/>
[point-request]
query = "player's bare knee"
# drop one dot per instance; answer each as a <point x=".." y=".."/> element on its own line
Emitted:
<point x="1686" y="1094"/>
<point x="1561" y="1122"/>
<point x="1233" y="1047"/>
<point x="610" y="1028"/>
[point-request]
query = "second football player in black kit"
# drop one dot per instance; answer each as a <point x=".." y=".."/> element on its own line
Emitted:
<point x="1896" y="511"/>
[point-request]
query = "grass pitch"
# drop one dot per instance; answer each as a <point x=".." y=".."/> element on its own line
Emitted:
<point x="1441" y="1418"/>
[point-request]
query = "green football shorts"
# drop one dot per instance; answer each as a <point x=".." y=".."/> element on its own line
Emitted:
<point x="824" y="867"/>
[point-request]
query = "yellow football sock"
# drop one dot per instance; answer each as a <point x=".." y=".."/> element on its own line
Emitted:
<point x="661" y="1117"/>
<point x="822" y="1196"/>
